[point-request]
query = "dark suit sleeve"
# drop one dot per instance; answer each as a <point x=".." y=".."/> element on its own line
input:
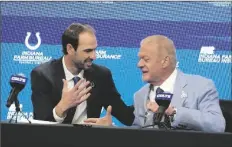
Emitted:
<point x="120" y="110"/>
<point x="41" y="96"/>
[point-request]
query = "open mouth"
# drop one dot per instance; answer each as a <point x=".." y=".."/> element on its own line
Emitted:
<point x="144" y="72"/>
<point x="89" y="63"/>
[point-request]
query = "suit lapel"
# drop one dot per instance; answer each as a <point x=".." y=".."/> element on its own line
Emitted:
<point x="59" y="75"/>
<point x="180" y="83"/>
<point x="89" y="76"/>
<point x="146" y="96"/>
<point x="148" y="120"/>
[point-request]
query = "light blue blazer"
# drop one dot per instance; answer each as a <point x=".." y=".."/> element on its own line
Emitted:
<point x="196" y="100"/>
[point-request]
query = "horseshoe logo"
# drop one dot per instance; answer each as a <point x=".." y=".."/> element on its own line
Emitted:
<point x="30" y="46"/>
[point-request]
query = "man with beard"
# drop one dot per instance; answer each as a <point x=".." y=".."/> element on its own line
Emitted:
<point x="68" y="102"/>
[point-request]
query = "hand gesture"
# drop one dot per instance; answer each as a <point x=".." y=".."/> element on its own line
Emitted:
<point x="104" y="121"/>
<point x="72" y="97"/>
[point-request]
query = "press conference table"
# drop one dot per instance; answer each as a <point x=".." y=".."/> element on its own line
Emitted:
<point x="31" y="135"/>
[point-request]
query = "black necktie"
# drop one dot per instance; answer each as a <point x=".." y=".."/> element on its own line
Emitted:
<point x="72" y="110"/>
<point x="159" y="90"/>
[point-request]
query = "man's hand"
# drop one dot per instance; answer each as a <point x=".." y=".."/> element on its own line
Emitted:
<point x="170" y="110"/>
<point x="153" y="106"/>
<point x="104" y="121"/>
<point x="72" y="97"/>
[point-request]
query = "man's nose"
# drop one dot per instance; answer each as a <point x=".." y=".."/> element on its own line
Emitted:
<point x="93" y="55"/>
<point x="140" y="64"/>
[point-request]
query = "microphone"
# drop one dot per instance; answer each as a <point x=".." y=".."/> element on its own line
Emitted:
<point x="17" y="83"/>
<point x="163" y="100"/>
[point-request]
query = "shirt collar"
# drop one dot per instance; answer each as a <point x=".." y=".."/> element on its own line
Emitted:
<point x="68" y="75"/>
<point x="168" y="84"/>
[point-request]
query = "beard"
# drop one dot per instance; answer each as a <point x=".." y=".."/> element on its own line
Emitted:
<point x="84" y="65"/>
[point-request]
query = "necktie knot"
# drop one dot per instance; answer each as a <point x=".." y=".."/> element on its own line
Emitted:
<point x="159" y="90"/>
<point x="76" y="79"/>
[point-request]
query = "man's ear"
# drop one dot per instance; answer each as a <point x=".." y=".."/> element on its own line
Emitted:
<point x="70" y="49"/>
<point x="166" y="62"/>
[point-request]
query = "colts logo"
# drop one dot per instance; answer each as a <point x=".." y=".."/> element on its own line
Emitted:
<point x="30" y="46"/>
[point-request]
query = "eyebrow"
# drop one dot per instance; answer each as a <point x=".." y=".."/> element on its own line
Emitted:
<point x="89" y="49"/>
<point x="143" y="56"/>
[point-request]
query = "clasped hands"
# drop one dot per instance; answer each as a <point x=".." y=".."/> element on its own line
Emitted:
<point x="153" y="106"/>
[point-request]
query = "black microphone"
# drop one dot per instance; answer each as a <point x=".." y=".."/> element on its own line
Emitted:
<point x="17" y="83"/>
<point x="163" y="100"/>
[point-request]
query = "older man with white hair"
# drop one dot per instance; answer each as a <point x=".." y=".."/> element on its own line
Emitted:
<point x="195" y="103"/>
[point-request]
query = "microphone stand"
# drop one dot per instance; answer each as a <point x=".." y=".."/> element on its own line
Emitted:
<point x="157" y="122"/>
<point x="17" y="110"/>
<point x="160" y="125"/>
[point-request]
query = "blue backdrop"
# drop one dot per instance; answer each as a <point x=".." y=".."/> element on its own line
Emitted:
<point x="201" y="32"/>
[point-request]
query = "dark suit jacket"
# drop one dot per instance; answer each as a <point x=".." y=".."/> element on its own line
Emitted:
<point x="47" y="84"/>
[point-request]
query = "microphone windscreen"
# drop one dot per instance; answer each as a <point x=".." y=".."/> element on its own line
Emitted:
<point x="18" y="81"/>
<point x="163" y="99"/>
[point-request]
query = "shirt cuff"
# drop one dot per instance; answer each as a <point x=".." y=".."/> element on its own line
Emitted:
<point x="57" y="118"/>
<point x="174" y="115"/>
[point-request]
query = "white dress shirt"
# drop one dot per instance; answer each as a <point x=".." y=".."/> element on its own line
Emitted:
<point x="81" y="112"/>
<point x="167" y="86"/>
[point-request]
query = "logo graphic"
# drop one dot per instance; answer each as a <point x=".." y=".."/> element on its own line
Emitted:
<point x="27" y="43"/>
<point x="31" y="56"/>
<point x="164" y="96"/>
<point x="183" y="95"/>
<point x="102" y="54"/>
<point x="18" y="79"/>
<point x="20" y="117"/>
<point x="207" y="50"/>
<point x="208" y="55"/>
